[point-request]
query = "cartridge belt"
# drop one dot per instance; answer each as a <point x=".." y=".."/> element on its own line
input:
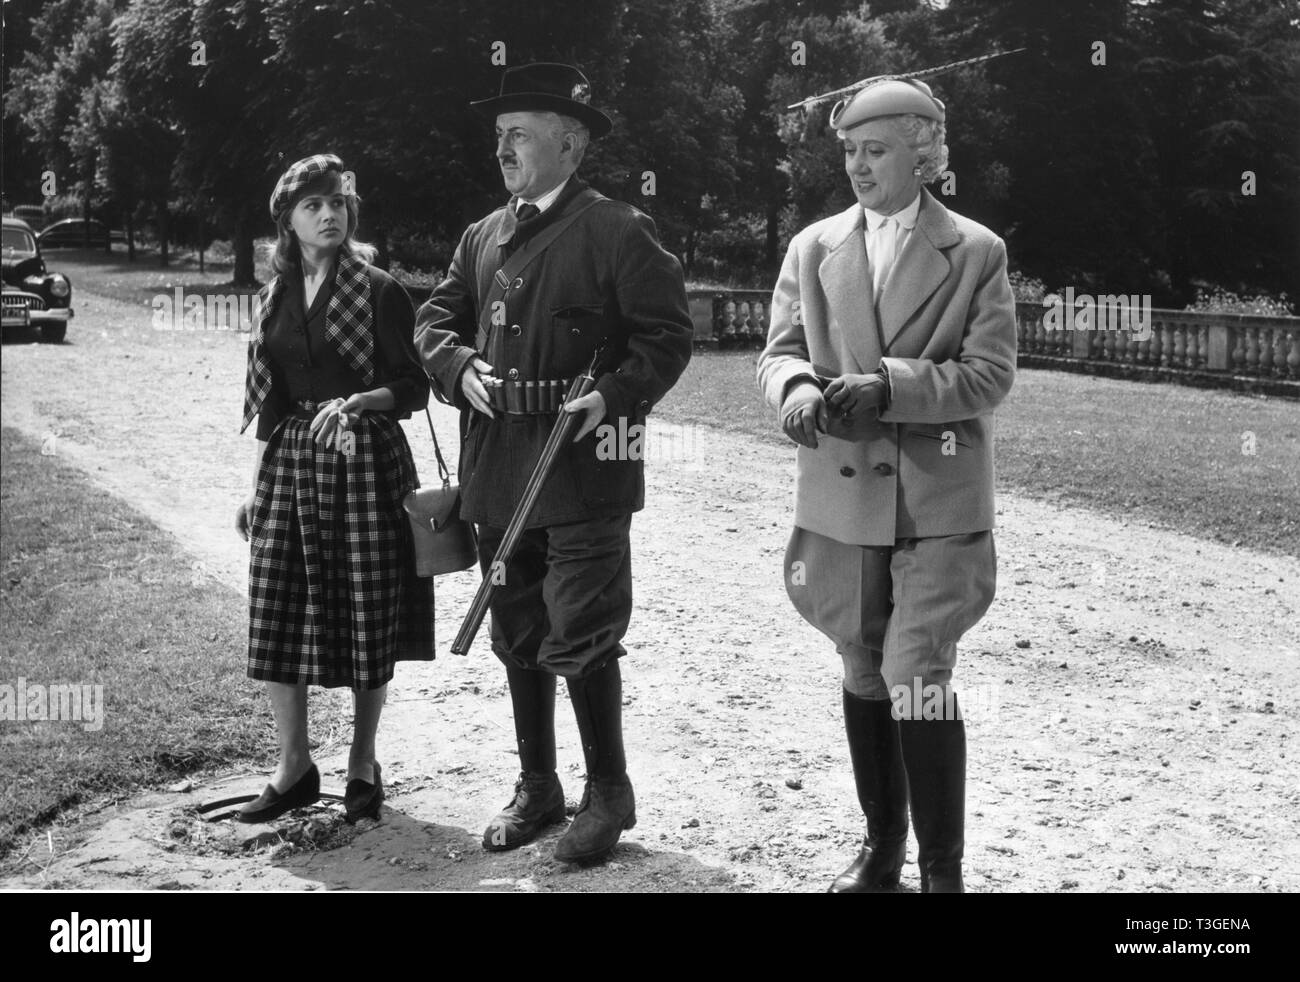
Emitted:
<point x="526" y="397"/>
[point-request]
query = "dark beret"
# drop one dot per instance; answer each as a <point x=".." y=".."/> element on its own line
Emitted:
<point x="298" y="176"/>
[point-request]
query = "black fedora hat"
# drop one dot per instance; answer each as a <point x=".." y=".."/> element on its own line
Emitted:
<point x="546" y="86"/>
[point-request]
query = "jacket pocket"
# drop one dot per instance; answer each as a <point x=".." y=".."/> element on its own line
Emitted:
<point x="605" y="472"/>
<point x="938" y="434"/>
<point x="576" y="331"/>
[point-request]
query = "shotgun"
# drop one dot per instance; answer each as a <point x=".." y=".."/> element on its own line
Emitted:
<point x="561" y="434"/>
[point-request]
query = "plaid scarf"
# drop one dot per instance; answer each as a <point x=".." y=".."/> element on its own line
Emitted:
<point x="349" y="326"/>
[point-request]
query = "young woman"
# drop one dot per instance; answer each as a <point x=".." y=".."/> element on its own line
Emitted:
<point x="334" y="599"/>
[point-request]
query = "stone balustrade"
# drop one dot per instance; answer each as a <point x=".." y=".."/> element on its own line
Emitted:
<point x="1241" y="345"/>
<point x="730" y="319"/>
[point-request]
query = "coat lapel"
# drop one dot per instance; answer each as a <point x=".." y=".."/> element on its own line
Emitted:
<point x="920" y="268"/>
<point x="257" y="384"/>
<point x="845" y="276"/>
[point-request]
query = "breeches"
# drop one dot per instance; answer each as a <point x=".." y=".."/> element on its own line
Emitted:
<point x="894" y="612"/>
<point x="564" y="601"/>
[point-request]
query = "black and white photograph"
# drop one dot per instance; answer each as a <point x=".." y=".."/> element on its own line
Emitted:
<point x="708" y="446"/>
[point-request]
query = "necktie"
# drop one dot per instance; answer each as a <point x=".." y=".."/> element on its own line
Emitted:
<point x="527" y="211"/>
<point x="886" y="234"/>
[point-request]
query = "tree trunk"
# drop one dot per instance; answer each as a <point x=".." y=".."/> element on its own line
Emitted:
<point x="163" y="231"/>
<point x="85" y="208"/>
<point x="245" y="274"/>
<point x="130" y="233"/>
<point x="771" y="260"/>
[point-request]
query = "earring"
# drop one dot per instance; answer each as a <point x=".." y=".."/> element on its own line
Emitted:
<point x="916" y="171"/>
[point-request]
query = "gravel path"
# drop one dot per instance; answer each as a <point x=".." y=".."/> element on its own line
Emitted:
<point x="1131" y="727"/>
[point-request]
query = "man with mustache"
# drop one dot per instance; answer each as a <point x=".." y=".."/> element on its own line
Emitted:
<point x="500" y="348"/>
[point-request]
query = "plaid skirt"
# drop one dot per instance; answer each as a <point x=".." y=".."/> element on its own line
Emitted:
<point x="334" y="599"/>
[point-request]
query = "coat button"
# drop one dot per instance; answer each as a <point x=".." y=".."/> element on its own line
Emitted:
<point x="516" y="330"/>
<point x="644" y="403"/>
<point x="513" y="373"/>
<point x="575" y="330"/>
<point x="885" y="469"/>
<point x="519" y="281"/>
<point x="847" y="471"/>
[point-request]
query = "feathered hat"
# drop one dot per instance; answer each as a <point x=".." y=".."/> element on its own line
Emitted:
<point x="890" y="95"/>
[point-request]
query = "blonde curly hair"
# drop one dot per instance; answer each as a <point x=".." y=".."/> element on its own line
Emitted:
<point x="926" y="137"/>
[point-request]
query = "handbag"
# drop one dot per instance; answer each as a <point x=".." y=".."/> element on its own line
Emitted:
<point x="444" y="542"/>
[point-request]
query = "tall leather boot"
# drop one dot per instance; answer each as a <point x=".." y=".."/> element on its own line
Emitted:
<point x="608" y="806"/>
<point x="876" y="752"/>
<point x="539" y="798"/>
<point x="934" y="751"/>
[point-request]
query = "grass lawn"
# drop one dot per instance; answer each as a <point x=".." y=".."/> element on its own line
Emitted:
<point x="138" y="282"/>
<point x="1166" y="454"/>
<point x="94" y="594"/>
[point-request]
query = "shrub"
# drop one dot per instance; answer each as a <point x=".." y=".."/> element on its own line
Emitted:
<point x="1219" y="300"/>
<point x="1026" y="288"/>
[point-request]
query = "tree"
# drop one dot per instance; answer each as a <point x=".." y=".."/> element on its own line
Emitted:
<point x="56" y="89"/>
<point x="193" y="64"/>
<point x="1221" y="83"/>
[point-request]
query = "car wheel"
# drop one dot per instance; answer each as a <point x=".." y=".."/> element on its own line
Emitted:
<point x="53" y="333"/>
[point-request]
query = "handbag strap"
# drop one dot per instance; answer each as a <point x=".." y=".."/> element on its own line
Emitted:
<point x="528" y="250"/>
<point x="437" y="451"/>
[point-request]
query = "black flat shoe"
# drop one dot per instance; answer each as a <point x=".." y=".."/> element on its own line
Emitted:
<point x="270" y="804"/>
<point x="361" y="799"/>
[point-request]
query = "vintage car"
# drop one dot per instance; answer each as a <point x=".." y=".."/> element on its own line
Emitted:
<point x="31" y="296"/>
<point x="75" y="233"/>
<point x="33" y="215"/>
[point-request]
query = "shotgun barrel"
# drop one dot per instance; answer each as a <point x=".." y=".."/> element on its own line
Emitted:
<point x="561" y="434"/>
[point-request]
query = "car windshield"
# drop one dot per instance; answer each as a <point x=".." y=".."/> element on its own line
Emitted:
<point x="18" y="243"/>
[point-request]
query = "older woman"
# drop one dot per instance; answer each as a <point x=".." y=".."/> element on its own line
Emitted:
<point x="334" y="596"/>
<point x="892" y="339"/>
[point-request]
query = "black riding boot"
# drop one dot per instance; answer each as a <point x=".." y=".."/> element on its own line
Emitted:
<point x="935" y="753"/>
<point x="874" y="748"/>
<point x="608" y="806"/>
<point x="539" y="798"/>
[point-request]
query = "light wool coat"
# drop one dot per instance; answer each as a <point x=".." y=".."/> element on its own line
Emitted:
<point x="944" y="333"/>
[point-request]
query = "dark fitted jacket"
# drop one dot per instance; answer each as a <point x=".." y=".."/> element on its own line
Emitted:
<point x="605" y="278"/>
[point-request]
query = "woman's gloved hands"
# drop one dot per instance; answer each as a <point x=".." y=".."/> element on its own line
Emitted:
<point x="804" y="414"/>
<point x="852" y="393"/>
<point x="808" y="410"/>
